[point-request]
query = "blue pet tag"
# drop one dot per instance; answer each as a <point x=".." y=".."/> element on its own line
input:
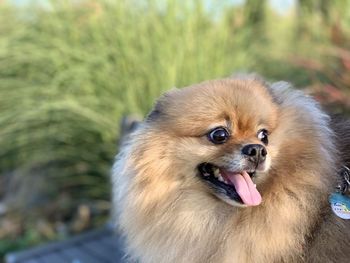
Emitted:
<point x="340" y="205"/>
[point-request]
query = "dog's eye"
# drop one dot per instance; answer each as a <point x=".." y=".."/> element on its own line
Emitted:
<point x="263" y="136"/>
<point x="218" y="135"/>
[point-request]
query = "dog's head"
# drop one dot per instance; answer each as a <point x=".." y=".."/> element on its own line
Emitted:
<point x="218" y="135"/>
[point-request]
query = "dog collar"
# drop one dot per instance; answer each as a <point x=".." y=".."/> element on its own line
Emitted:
<point x="340" y="200"/>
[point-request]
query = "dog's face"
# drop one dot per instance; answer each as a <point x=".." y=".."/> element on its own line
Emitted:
<point x="220" y="135"/>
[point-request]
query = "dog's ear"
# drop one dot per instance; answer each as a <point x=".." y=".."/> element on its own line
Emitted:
<point x="161" y="104"/>
<point x="155" y="113"/>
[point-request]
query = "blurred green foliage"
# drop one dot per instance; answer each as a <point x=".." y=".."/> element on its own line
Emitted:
<point x="70" y="70"/>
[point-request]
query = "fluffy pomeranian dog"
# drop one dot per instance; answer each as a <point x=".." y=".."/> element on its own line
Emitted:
<point x="232" y="170"/>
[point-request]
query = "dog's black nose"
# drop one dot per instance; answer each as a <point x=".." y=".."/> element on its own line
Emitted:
<point x="255" y="152"/>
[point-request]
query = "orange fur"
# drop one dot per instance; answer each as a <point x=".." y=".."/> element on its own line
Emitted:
<point x="168" y="215"/>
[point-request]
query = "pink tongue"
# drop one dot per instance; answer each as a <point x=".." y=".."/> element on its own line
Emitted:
<point x="245" y="188"/>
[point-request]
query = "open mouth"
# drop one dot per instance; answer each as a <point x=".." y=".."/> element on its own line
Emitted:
<point x="237" y="186"/>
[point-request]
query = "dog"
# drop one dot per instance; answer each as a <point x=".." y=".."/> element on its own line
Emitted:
<point x="233" y="170"/>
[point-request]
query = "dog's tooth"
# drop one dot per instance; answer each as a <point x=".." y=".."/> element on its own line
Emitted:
<point x="255" y="185"/>
<point x="206" y="174"/>
<point x="216" y="172"/>
<point x="220" y="178"/>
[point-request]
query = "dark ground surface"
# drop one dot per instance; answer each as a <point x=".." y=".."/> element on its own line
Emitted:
<point x="97" y="246"/>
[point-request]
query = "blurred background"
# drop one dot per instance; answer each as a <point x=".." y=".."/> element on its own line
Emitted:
<point x="70" y="70"/>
